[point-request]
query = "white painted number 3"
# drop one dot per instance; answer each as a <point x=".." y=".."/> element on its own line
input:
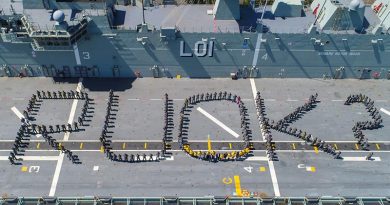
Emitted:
<point x="33" y="169"/>
<point x="86" y="55"/>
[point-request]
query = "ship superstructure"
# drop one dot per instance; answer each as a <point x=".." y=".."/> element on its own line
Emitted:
<point x="117" y="38"/>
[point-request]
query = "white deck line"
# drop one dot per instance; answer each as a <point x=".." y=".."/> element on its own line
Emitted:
<point x="361" y="159"/>
<point x="219" y="123"/>
<point x="256" y="158"/>
<point x="57" y="171"/>
<point x="33" y="158"/>
<point x="385" y="111"/>
<point x="77" y="54"/>
<point x="254" y="92"/>
<point x="17" y="112"/>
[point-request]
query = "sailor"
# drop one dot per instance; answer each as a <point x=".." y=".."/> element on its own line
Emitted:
<point x="151" y="157"/>
<point x="115" y="157"/>
<point x="69" y="128"/>
<point x="132" y="158"/>
<point x="76" y="127"/>
<point x="49" y="94"/>
<point x="126" y="159"/>
<point x="157" y="156"/>
<point x="215" y="96"/>
<point x="43" y="94"/>
<point x="80" y="121"/>
<point x="138" y="158"/>
<point x="369" y="156"/>
<point x="144" y="157"/>
<point x="119" y="157"/>
<point x="63" y="127"/>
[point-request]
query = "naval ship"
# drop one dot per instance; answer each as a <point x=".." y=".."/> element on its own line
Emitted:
<point x="131" y="38"/>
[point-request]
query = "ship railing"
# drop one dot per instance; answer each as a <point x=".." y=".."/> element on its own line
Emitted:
<point x="217" y="29"/>
<point x="208" y="200"/>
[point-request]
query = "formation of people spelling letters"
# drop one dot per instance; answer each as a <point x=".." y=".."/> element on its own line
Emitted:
<point x="211" y="155"/>
<point x="29" y="128"/>
<point x="113" y="101"/>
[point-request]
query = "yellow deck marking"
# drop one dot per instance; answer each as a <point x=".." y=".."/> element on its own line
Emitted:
<point x="227" y="180"/>
<point x="262" y="169"/>
<point x="377" y="146"/>
<point x="293" y="145"/>
<point x="335" y="146"/>
<point x="312" y="169"/>
<point x="237" y="184"/>
<point x="124" y="145"/>
<point x="81" y="145"/>
<point x="356" y="146"/>
<point x="24" y="169"/>
<point x="101" y="149"/>
<point x="230" y="145"/>
<point x="208" y="143"/>
<point x="38" y="145"/>
<point x="59" y="145"/>
<point x="178" y="76"/>
<point x="316" y="149"/>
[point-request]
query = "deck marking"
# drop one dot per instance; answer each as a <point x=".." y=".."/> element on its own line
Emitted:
<point x="335" y="147"/>
<point x="377" y="146"/>
<point x="17" y="112"/>
<point x="293" y="145"/>
<point x="254" y="92"/>
<point x="385" y="111"/>
<point x="101" y="149"/>
<point x="356" y="146"/>
<point x="209" y="143"/>
<point x="337" y="100"/>
<point x="24" y="169"/>
<point x="269" y="100"/>
<point x="271" y="166"/>
<point x="95" y="168"/>
<point x="133" y="99"/>
<point x="216" y="121"/>
<point x="256" y="158"/>
<point x="124" y="145"/>
<point x="230" y="145"/>
<point x="291" y="100"/>
<point x="262" y="169"/>
<point x="257" y="49"/>
<point x="361" y="159"/>
<point x="33" y="158"/>
<point x="248" y="169"/>
<point x="81" y="145"/>
<point x="237" y="184"/>
<point x="227" y="180"/>
<point x="38" y="145"/>
<point x="310" y="169"/>
<point x="156" y="99"/>
<point x="60" y="161"/>
<point x="76" y="54"/>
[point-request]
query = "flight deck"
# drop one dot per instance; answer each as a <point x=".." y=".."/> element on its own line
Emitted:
<point x="137" y="128"/>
